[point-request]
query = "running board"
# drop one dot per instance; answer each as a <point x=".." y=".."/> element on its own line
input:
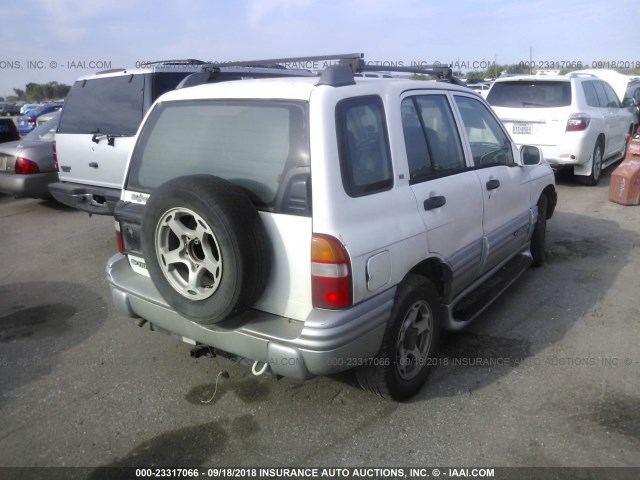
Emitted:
<point x="473" y="301"/>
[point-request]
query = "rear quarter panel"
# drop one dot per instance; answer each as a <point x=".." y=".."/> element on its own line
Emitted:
<point x="385" y="222"/>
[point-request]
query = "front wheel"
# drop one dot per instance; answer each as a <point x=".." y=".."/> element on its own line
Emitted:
<point x="409" y="344"/>
<point x="539" y="233"/>
<point x="596" y="168"/>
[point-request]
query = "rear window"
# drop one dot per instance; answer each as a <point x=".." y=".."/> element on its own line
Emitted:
<point x="111" y="105"/>
<point x="253" y="144"/>
<point x="530" y="94"/>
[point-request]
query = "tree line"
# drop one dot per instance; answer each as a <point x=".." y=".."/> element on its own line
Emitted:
<point x="38" y="93"/>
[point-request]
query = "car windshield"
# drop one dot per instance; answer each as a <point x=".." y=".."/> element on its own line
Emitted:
<point x="530" y="94"/>
<point x="44" y="133"/>
<point x="251" y="143"/>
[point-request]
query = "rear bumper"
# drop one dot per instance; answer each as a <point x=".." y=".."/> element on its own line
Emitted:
<point x="326" y="342"/>
<point x="31" y="185"/>
<point x="88" y="198"/>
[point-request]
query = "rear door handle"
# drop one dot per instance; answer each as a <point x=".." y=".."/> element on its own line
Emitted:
<point x="493" y="184"/>
<point x="434" y="202"/>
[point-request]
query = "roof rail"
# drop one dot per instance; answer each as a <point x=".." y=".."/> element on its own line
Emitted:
<point x="343" y="73"/>
<point x="185" y="61"/>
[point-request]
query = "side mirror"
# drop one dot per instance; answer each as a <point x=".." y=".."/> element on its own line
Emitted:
<point x="530" y="155"/>
<point x="629" y="102"/>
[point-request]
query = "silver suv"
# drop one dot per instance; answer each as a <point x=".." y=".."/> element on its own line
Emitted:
<point x="313" y="225"/>
<point x="102" y="114"/>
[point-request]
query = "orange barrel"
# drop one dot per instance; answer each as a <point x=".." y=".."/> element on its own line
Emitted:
<point x="625" y="182"/>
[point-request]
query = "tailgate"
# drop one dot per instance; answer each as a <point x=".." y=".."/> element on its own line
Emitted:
<point x="85" y="161"/>
<point x="534" y="126"/>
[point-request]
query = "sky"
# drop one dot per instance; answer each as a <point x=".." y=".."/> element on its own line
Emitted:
<point x="62" y="40"/>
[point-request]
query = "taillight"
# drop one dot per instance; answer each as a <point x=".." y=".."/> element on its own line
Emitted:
<point x="31" y="121"/>
<point x="578" y="122"/>
<point x="119" y="237"/>
<point x="26" y="166"/>
<point x="330" y="273"/>
<point x="55" y="156"/>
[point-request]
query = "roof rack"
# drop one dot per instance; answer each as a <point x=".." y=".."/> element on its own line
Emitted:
<point x="186" y="61"/>
<point x="342" y="73"/>
<point x="278" y="62"/>
<point x="580" y="74"/>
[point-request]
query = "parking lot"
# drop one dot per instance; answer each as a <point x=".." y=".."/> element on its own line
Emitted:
<point x="547" y="376"/>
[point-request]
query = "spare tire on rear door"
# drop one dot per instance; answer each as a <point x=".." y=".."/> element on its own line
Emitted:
<point x="205" y="246"/>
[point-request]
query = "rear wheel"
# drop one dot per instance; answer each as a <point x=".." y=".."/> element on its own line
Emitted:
<point x="596" y="168"/>
<point x="409" y="344"/>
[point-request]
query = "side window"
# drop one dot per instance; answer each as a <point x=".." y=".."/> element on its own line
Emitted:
<point x="612" y="98"/>
<point x="363" y="144"/>
<point x="590" y="94"/>
<point x="602" y="95"/>
<point x="489" y="144"/>
<point x="164" y="82"/>
<point x="431" y="138"/>
<point x="111" y="105"/>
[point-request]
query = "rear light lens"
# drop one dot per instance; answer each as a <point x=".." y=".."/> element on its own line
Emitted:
<point x="55" y="157"/>
<point x="25" y="166"/>
<point x="330" y="273"/>
<point x="119" y="237"/>
<point x="578" y="122"/>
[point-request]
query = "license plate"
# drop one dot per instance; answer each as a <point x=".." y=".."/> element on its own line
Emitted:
<point x="3" y="163"/>
<point x="522" y="128"/>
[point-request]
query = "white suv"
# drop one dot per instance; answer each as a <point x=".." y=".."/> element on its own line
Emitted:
<point x="312" y="225"/>
<point x="102" y="113"/>
<point x="577" y="120"/>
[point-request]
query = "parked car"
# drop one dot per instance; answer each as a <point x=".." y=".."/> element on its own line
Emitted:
<point x="8" y="130"/>
<point x="627" y="89"/>
<point x="312" y="225"/>
<point x="632" y="100"/>
<point x="42" y="119"/>
<point x="480" y="88"/>
<point x="27" y="166"/>
<point x="27" y="122"/>
<point x="102" y="113"/>
<point x="576" y="119"/>
<point x="27" y="107"/>
<point x="9" y="109"/>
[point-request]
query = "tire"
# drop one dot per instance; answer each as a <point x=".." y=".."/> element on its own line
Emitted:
<point x="397" y="373"/>
<point x="596" y="168"/>
<point x="539" y="233"/>
<point x="205" y="247"/>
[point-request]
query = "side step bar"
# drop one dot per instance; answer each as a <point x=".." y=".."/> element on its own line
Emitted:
<point x="475" y="299"/>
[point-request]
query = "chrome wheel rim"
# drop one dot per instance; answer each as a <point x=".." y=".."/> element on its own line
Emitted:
<point x="414" y="340"/>
<point x="597" y="163"/>
<point x="188" y="253"/>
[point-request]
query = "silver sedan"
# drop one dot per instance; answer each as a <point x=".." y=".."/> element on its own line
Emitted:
<point x="27" y="166"/>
